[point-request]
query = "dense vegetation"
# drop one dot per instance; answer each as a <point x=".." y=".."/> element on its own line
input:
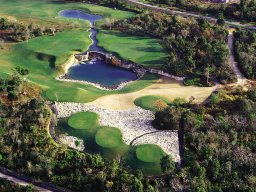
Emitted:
<point x="15" y="31"/>
<point x="220" y="142"/>
<point x="246" y="10"/>
<point x="8" y="186"/>
<point x="219" y="146"/>
<point x="26" y="147"/>
<point x="245" y="51"/>
<point x="197" y="49"/>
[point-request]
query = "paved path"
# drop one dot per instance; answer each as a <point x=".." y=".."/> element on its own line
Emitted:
<point x="233" y="64"/>
<point x="186" y="14"/>
<point x="22" y="182"/>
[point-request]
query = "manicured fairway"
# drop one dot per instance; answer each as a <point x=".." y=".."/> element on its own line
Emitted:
<point x="149" y="102"/>
<point x="47" y="10"/>
<point x="44" y="55"/>
<point x="149" y="153"/>
<point x="143" y="50"/>
<point x="108" y="137"/>
<point x="83" y="120"/>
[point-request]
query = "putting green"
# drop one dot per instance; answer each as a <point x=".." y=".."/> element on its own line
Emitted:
<point x="83" y="120"/>
<point x="108" y="137"/>
<point x="149" y="102"/>
<point x="149" y="153"/>
<point x="140" y="49"/>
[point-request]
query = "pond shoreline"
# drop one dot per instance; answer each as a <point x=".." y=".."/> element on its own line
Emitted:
<point x="93" y="46"/>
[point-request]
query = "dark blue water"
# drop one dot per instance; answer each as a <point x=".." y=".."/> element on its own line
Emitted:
<point x="96" y="71"/>
<point x="101" y="73"/>
<point x="80" y="15"/>
<point x="92" y="18"/>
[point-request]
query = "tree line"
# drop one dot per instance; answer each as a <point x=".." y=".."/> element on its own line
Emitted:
<point x="15" y="31"/>
<point x="197" y="49"/>
<point x="219" y="141"/>
<point x="8" y="186"/>
<point x="245" y="52"/>
<point x="245" y="10"/>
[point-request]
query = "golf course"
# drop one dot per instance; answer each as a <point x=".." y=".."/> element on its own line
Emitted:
<point x="106" y="120"/>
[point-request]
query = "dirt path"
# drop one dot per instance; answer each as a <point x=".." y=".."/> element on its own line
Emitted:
<point x="241" y="80"/>
<point x="165" y="87"/>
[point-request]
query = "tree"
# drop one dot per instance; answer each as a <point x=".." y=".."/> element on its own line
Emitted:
<point x="26" y="34"/>
<point x="207" y="75"/>
<point x="12" y="95"/>
<point x="221" y="19"/>
<point x="137" y="185"/>
<point x="167" y="164"/>
<point x="167" y="119"/>
<point x="160" y="104"/>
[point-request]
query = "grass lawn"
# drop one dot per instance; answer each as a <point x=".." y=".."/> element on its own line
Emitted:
<point x="83" y="120"/>
<point x="108" y="137"/>
<point x="142" y="50"/>
<point x="46" y="11"/>
<point x="149" y="153"/>
<point x="43" y="55"/>
<point x="149" y="102"/>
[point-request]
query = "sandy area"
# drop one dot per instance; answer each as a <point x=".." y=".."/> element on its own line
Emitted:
<point x="165" y="87"/>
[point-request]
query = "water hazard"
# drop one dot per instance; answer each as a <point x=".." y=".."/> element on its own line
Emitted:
<point x="96" y="71"/>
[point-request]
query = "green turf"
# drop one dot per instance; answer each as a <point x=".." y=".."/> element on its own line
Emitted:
<point x="47" y="10"/>
<point x="149" y="153"/>
<point x="83" y="120"/>
<point x="108" y="137"/>
<point x="143" y="50"/>
<point x="149" y="102"/>
<point x="43" y="56"/>
<point x="126" y="152"/>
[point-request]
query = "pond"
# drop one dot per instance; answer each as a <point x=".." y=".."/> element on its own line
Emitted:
<point x="96" y="71"/>
<point x="99" y="72"/>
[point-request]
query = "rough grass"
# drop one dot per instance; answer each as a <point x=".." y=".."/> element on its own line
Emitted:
<point x="108" y="137"/>
<point x="142" y="50"/>
<point x="149" y="153"/>
<point x="149" y="102"/>
<point x="83" y="120"/>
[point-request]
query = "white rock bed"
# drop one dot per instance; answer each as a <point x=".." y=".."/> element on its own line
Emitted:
<point x="97" y="85"/>
<point x="169" y="141"/>
<point x="132" y="123"/>
<point x="71" y="142"/>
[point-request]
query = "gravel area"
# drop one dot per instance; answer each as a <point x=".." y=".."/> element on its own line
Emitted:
<point x="132" y="123"/>
<point x="71" y="142"/>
